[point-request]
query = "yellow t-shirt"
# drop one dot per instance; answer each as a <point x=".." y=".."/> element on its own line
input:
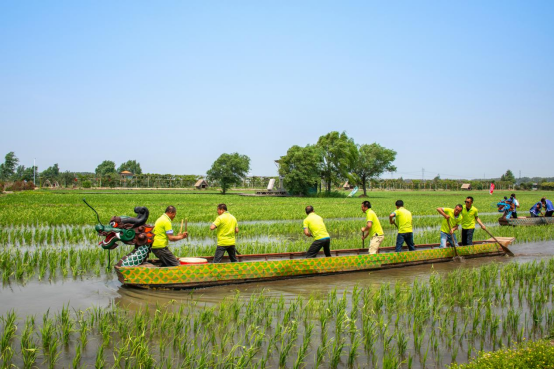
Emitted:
<point x="226" y="224"/>
<point x="453" y="220"/>
<point x="162" y="227"/>
<point x="376" y="228"/>
<point x="403" y="220"/>
<point x="315" y="225"/>
<point x="468" y="217"/>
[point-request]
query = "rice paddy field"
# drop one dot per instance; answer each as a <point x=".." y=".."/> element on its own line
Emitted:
<point x="61" y="304"/>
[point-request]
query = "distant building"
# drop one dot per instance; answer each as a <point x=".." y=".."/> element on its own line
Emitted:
<point x="347" y="186"/>
<point x="201" y="184"/>
<point x="466" y="187"/>
<point x="126" y="175"/>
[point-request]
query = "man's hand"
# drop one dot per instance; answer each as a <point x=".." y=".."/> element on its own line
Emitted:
<point x="183" y="235"/>
<point x="446" y="216"/>
<point x="363" y="229"/>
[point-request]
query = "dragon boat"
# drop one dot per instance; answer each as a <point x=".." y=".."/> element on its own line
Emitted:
<point x="526" y="221"/>
<point x="278" y="266"/>
<point x="135" y="270"/>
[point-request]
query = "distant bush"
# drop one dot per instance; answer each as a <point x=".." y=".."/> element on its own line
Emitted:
<point x="21" y="185"/>
<point x="529" y="355"/>
<point x="87" y="184"/>
<point x="547" y="186"/>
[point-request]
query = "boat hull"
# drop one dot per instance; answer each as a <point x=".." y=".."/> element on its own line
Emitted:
<point x="206" y="275"/>
<point x="526" y="221"/>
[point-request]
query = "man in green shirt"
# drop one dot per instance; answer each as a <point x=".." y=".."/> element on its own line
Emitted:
<point x="453" y="217"/>
<point x="163" y="234"/>
<point x="402" y="218"/>
<point x="313" y="226"/>
<point x="227" y="226"/>
<point x="469" y="217"/>
<point x="372" y="228"/>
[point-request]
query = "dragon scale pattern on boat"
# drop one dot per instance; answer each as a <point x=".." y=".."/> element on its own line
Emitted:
<point x="213" y="273"/>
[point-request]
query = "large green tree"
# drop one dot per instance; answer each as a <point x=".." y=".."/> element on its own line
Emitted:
<point x="338" y="153"/>
<point x="301" y="168"/>
<point x="508" y="176"/>
<point x="229" y="170"/>
<point x="8" y="168"/>
<point x="106" y="168"/>
<point x="132" y="166"/>
<point x="51" y="173"/>
<point x="371" y="162"/>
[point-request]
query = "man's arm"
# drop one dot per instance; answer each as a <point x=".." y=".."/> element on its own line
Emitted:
<point x="391" y="217"/>
<point x="366" y="228"/>
<point x="236" y="230"/>
<point x="173" y="238"/>
<point x="441" y="211"/>
<point x="213" y="227"/>
<point x="480" y="223"/>
<point x="307" y="232"/>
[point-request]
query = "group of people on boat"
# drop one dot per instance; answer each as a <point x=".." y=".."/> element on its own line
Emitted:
<point x="509" y="206"/>
<point x="226" y="224"/>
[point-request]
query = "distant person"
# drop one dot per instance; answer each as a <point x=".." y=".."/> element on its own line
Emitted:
<point x="402" y="218"/>
<point x="469" y="217"/>
<point x="372" y="228"/>
<point x="507" y="207"/>
<point x="314" y="227"/>
<point x="454" y="217"/>
<point x="548" y="207"/>
<point x="163" y="234"/>
<point x="227" y="227"/>
<point x="536" y="210"/>
<point x="516" y="205"/>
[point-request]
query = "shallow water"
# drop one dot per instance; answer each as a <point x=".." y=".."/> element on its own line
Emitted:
<point x="35" y="297"/>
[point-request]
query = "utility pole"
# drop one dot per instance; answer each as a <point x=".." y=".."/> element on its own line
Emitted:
<point x="35" y="175"/>
<point x="520" y="174"/>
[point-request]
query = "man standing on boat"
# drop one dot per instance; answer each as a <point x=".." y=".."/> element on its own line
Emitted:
<point x="402" y="218"/>
<point x="314" y="227"/>
<point x="163" y="234"/>
<point x="548" y="207"/>
<point x="372" y="229"/>
<point x="227" y="228"/>
<point x="535" y="211"/>
<point x="469" y="217"/>
<point x="452" y="219"/>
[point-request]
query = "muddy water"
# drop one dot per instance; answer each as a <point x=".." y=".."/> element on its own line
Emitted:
<point x="35" y="297"/>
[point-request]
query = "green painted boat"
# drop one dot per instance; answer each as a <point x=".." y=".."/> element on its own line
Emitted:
<point x="276" y="266"/>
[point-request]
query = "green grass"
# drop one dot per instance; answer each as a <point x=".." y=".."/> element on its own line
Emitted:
<point x="527" y="355"/>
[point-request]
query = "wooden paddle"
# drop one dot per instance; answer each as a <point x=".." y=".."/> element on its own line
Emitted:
<point x="506" y="250"/>
<point x="457" y="257"/>
<point x="363" y="241"/>
<point x="181" y="231"/>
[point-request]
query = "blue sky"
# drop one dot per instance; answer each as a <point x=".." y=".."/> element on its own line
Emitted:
<point x="464" y="89"/>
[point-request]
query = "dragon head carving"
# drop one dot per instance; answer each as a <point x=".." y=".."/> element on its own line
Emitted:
<point x="128" y="230"/>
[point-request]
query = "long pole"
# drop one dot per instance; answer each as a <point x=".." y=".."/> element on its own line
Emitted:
<point x="34" y="170"/>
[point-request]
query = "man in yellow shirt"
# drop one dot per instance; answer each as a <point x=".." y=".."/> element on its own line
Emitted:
<point x="469" y="217"/>
<point x="163" y="234"/>
<point x="453" y="217"/>
<point x="372" y="228"/>
<point x="314" y="227"/>
<point x="227" y="226"/>
<point x="402" y="218"/>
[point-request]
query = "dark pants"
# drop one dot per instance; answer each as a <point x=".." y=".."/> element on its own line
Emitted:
<point x="220" y="251"/>
<point x="514" y="214"/>
<point x="316" y="247"/>
<point x="405" y="237"/>
<point x="548" y="214"/>
<point x="467" y="236"/>
<point x="166" y="257"/>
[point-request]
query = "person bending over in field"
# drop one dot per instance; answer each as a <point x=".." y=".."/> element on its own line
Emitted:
<point x="372" y="228"/>
<point x="402" y="218"/>
<point x="163" y="234"/>
<point x="314" y="227"/>
<point x="227" y="227"/>
<point x="453" y="217"/>
<point x="535" y="211"/>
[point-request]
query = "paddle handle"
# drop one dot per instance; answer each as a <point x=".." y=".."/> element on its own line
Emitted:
<point x="451" y="236"/>
<point x="506" y="250"/>
<point x="186" y="224"/>
<point x="181" y="230"/>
